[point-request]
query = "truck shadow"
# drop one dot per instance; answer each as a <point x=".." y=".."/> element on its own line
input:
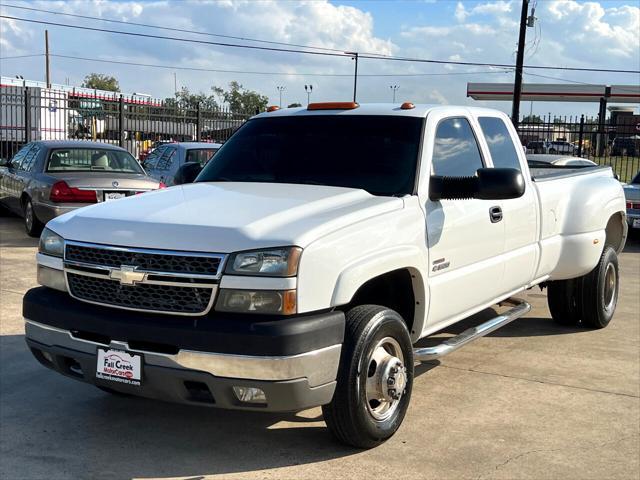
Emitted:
<point x="54" y="427"/>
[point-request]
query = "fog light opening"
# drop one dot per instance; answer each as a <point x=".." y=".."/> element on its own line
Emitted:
<point x="251" y="395"/>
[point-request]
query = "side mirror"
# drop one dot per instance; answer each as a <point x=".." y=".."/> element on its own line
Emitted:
<point x="488" y="184"/>
<point x="187" y="173"/>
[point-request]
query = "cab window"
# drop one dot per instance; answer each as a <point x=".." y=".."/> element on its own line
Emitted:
<point x="456" y="152"/>
<point x="496" y="133"/>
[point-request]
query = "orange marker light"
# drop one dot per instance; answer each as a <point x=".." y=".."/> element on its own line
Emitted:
<point x="333" y="106"/>
<point x="407" y="106"/>
<point x="273" y="108"/>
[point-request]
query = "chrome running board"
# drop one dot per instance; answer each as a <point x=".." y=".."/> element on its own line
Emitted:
<point x="520" y="308"/>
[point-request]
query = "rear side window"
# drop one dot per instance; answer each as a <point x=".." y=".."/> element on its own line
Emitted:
<point x="201" y="156"/>
<point x="166" y="159"/>
<point x="503" y="151"/>
<point x="30" y="159"/>
<point x="456" y="152"/>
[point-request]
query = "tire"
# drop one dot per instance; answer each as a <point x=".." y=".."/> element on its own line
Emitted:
<point x="375" y="340"/>
<point x="32" y="224"/>
<point x="599" y="291"/>
<point x="564" y="305"/>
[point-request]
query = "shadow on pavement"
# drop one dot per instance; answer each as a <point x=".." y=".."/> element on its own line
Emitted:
<point x="12" y="233"/>
<point x="54" y="427"/>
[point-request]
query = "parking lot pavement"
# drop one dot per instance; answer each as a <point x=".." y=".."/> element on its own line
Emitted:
<point x="532" y="400"/>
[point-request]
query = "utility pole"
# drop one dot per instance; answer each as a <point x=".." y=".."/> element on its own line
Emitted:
<point x="355" y="76"/>
<point x="517" y="86"/>
<point x="46" y="55"/>
<point x="280" y="89"/>
<point x="175" y="84"/>
<point x="308" y="89"/>
<point x="394" y="88"/>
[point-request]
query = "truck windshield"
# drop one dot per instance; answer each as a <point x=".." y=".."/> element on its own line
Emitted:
<point x="378" y="154"/>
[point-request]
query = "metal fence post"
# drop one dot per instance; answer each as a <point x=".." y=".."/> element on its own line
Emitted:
<point x="198" y="123"/>
<point x="27" y="115"/>
<point x="121" y="122"/>
<point x="580" y="135"/>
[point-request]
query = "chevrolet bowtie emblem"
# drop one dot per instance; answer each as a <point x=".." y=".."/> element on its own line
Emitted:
<point x="127" y="275"/>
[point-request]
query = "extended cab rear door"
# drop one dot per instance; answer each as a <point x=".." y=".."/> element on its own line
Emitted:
<point x="465" y="244"/>
<point x="520" y="215"/>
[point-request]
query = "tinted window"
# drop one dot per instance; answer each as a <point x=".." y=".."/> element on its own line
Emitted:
<point x="375" y="153"/>
<point x="456" y="152"/>
<point x="152" y="160"/>
<point x="166" y="159"/>
<point x="30" y="158"/>
<point x="17" y="158"/>
<point x="92" y="159"/>
<point x="201" y="156"/>
<point x="503" y="151"/>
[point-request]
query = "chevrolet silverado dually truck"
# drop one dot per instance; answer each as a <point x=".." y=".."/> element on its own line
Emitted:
<point x="301" y="267"/>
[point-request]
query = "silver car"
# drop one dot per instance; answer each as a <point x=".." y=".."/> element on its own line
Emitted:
<point x="163" y="163"/>
<point x="48" y="178"/>
<point x="560" y="160"/>
<point x="632" y="196"/>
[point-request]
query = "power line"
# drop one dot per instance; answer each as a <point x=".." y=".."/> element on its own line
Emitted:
<point x="329" y="54"/>
<point x="249" y="72"/>
<point x="22" y="56"/>
<point x="172" y="29"/>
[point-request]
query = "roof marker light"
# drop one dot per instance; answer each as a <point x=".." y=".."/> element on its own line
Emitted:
<point x="407" y="106"/>
<point x="273" y="108"/>
<point x="333" y="106"/>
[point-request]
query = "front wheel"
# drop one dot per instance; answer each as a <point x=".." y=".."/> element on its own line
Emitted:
<point x="374" y="380"/>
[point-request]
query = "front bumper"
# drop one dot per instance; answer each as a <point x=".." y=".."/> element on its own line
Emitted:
<point x="293" y="361"/>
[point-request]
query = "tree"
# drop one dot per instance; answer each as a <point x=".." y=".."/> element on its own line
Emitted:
<point x="532" y="119"/>
<point x="293" y="105"/>
<point x="241" y="100"/>
<point x="101" y="81"/>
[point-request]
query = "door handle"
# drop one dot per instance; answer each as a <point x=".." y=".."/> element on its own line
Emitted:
<point x="495" y="214"/>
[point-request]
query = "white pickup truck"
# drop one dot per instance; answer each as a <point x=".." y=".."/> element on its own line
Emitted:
<point x="306" y="261"/>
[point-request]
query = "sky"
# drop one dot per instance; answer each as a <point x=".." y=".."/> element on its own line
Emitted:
<point x="595" y="34"/>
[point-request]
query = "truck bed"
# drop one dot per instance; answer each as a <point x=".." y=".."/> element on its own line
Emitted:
<point x="552" y="172"/>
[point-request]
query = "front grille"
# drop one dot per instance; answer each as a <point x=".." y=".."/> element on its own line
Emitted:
<point x="159" y="262"/>
<point x="143" y="296"/>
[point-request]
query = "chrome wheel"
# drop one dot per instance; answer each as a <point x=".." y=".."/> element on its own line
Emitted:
<point x="386" y="379"/>
<point x="610" y="287"/>
<point x="28" y="216"/>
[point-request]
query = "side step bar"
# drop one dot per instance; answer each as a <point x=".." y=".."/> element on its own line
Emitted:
<point x="519" y="308"/>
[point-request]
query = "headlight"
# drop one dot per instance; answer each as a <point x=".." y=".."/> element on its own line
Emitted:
<point x="51" y="243"/>
<point x="274" y="262"/>
<point x="257" y="301"/>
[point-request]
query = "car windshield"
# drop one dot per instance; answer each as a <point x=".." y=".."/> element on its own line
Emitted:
<point x="201" y="156"/>
<point x="378" y="154"/>
<point x="92" y="160"/>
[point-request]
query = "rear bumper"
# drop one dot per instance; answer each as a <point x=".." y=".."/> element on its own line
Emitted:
<point x="293" y="361"/>
<point x="632" y="215"/>
<point x="47" y="211"/>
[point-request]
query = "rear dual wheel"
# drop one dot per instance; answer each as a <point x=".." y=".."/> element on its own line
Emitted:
<point x="589" y="300"/>
<point x="374" y="379"/>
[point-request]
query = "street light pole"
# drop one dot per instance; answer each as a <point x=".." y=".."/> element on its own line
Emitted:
<point x="280" y="89"/>
<point x="308" y="89"/>
<point x="394" y="88"/>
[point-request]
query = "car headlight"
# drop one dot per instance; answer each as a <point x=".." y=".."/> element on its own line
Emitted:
<point x="273" y="262"/>
<point x="272" y="302"/>
<point x="51" y="243"/>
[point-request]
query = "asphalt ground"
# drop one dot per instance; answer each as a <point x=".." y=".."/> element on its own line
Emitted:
<point x="532" y="400"/>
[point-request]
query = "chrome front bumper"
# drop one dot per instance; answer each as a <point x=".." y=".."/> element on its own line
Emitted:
<point x="318" y="367"/>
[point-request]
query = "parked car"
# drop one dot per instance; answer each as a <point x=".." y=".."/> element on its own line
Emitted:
<point x="48" y="178"/>
<point x="559" y="160"/>
<point x="632" y="196"/>
<point x="306" y="261"/>
<point x="626" y="146"/>
<point x="537" y="146"/>
<point x="145" y="153"/>
<point x="163" y="163"/>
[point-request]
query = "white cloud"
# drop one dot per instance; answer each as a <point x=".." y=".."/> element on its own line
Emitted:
<point x="461" y="13"/>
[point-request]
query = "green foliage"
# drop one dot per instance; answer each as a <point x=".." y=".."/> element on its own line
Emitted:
<point x="100" y="81"/>
<point x="531" y="119"/>
<point x="240" y="99"/>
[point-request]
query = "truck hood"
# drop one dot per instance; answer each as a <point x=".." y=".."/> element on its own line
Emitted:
<point x="222" y="217"/>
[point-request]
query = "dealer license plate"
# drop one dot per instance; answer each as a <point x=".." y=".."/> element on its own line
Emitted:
<point x="119" y="366"/>
<point x="113" y="195"/>
<point x="636" y="223"/>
